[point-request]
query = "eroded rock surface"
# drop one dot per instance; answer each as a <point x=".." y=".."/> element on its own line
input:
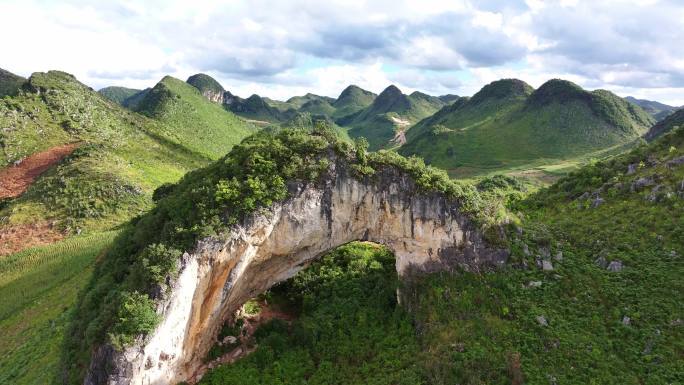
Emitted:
<point x="426" y="233"/>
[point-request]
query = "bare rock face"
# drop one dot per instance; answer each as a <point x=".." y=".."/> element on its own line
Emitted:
<point x="213" y="96"/>
<point x="426" y="233"/>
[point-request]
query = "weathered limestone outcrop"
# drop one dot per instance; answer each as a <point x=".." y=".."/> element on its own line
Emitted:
<point x="426" y="232"/>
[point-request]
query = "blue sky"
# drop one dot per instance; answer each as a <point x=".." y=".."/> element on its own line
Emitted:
<point x="285" y="48"/>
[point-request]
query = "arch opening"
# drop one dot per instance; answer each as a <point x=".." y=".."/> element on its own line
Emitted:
<point x="336" y="310"/>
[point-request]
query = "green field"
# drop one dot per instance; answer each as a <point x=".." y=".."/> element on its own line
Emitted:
<point x="38" y="287"/>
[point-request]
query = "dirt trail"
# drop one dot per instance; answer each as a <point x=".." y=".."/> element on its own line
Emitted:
<point x="251" y="324"/>
<point x="14" y="180"/>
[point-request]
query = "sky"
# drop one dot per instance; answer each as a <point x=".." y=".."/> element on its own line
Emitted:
<point x="285" y="48"/>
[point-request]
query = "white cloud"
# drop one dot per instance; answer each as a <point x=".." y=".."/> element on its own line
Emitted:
<point x="282" y="48"/>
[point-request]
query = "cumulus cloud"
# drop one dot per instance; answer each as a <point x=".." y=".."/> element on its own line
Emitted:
<point x="281" y="48"/>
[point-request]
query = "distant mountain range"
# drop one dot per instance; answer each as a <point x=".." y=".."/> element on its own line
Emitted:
<point x="509" y="123"/>
<point x="505" y="124"/>
<point x="676" y="119"/>
<point x="657" y="109"/>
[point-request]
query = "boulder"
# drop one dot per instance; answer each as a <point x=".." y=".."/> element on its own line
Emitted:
<point x="641" y="183"/>
<point x="675" y="162"/>
<point x="598" y="201"/>
<point x="541" y="320"/>
<point x="632" y="168"/>
<point x="601" y="262"/>
<point x="615" y="266"/>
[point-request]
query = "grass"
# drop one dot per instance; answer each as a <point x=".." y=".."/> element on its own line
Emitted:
<point x="38" y="287"/>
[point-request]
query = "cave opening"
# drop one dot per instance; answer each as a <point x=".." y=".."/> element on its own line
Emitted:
<point x="337" y="318"/>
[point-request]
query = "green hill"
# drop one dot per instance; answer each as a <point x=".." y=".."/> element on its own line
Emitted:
<point x="204" y="82"/>
<point x="508" y="124"/>
<point x="351" y="100"/>
<point x="121" y="156"/>
<point x="195" y="122"/>
<point x="297" y="102"/>
<point x="449" y="98"/>
<point x="312" y="122"/>
<point x="318" y="107"/>
<point x="132" y="102"/>
<point x="10" y="84"/>
<point x="255" y="108"/>
<point x="391" y="112"/>
<point x="658" y="110"/>
<point x="673" y="120"/>
<point x="118" y="94"/>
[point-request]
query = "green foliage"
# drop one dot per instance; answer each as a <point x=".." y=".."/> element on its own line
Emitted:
<point x="670" y="123"/>
<point x="483" y="328"/>
<point x="658" y="110"/>
<point x="136" y="316"/>
<point x="350" y="329"/>
<point x="316" y="123"/>
<point x="257" y="108"/>
<point x="155" y="264"/>
<point x="352" y="99"/>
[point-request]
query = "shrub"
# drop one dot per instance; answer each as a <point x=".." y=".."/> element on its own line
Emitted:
<point x="136" y="316"/>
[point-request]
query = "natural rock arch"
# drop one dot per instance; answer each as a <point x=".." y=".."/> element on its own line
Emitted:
<point x="426" y="232"/>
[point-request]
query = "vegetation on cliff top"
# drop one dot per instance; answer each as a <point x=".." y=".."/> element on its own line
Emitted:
<point x="591" y="295"/>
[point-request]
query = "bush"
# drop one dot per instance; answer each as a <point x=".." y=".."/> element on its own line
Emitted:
<point x="136" y="316"/>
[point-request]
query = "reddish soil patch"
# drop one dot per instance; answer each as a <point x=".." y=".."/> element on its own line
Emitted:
<point x="16" y="238"/>
<point x="246" y="346"/>
<point x="14" y="180"/>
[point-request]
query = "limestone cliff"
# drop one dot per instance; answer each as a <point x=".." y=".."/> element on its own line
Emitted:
<point x="425" y="231"/>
